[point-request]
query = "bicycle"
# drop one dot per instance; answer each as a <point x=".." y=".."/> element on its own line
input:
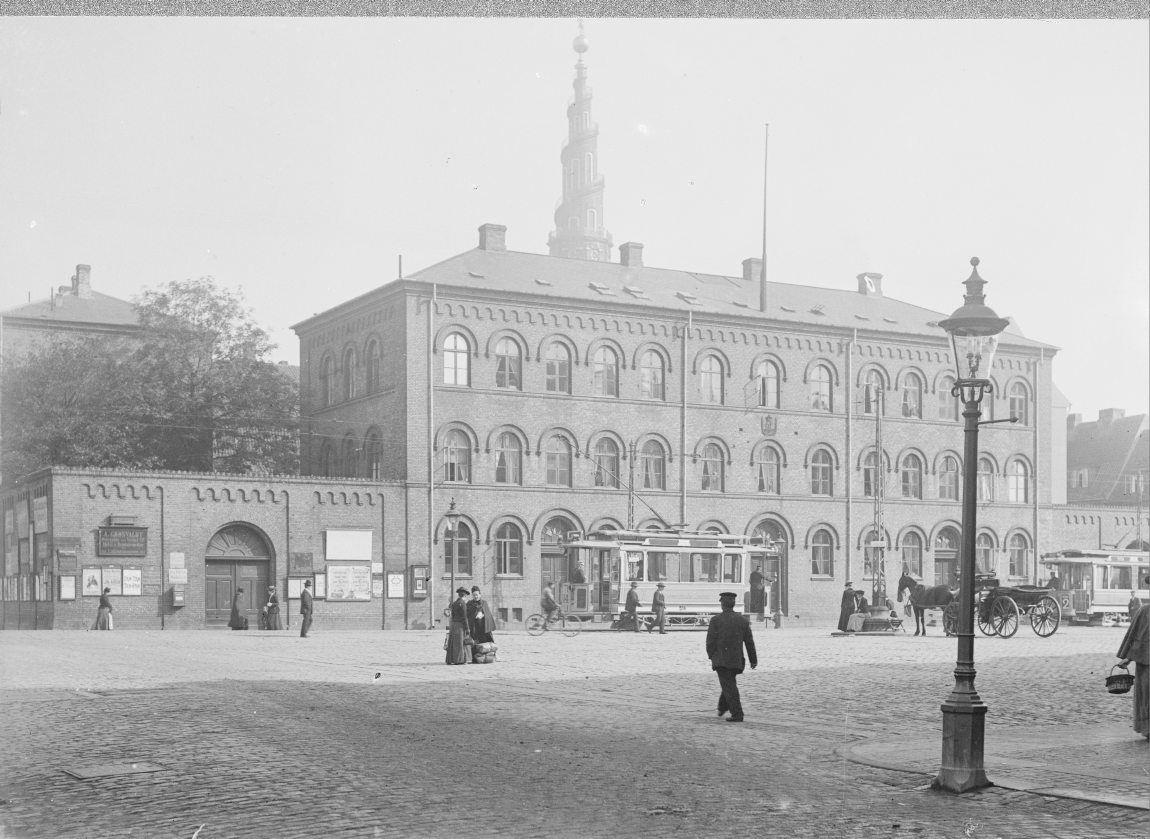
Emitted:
<point x="537" y="624"/>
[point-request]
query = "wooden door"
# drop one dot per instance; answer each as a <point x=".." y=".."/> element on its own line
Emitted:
<point x="222" y="580"/>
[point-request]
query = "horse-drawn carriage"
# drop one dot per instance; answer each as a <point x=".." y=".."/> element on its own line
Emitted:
<point x="999" y="609"/>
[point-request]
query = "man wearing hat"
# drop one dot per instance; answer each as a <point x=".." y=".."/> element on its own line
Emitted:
<point x="727" y="634"/>
<point x="848" y="606"/>
<point x="659" y="607"/>
<point x="632" y="607"/>
<point x="306" y="606"/>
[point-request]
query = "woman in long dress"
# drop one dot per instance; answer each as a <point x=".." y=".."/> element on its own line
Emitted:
<point x="104" y="611"/>
<point x="236" y="621"/>
<point x="456" y="650"/>
<point x="1135" y="647"/>
<point x="479" y="617"/>
<point x="273" y="610"/>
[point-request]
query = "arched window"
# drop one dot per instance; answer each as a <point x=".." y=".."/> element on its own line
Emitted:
<point x="606" y="463"/>
<point x="347" y="457"/>
<point x="508" y="459"/>
<point x="711" y="463"/>
<point x="711" y="380"/>
<point x="592" y="220"/>
<point x="766" y="466"/>
<point x="1019" y="403"/>
<point x="1017" y="482"/>
<point x="373" y="456"/>
<point x="509" y="550"/>
<point x="457" y="457"/>
<point x="508" y="365"/>
<point x="606" y="372"/>
<point x="912" y="476"/>
<point x="983" y="554"/>
<point x="948" y="408"/>
<point x="373" y="362"/>
<point x="768" y="375"/>
<point x="873" y="475"/>
<point x="651" y="376"/>
<point x="558" y="368"/>
<point x="822" y="473"/>
<point x="558" y="457"/>
<point x="326" y="458"/>
<point x="588" y="167"/>
<point x="948" y="479"/>
<point x="912" y="396"/>
<point x="326" y="373"/>
<point x="456" y="355"/>
<point x="820" y="390"/>
<point x="350" y="374"/>
<point x="985" y="480"/>
<point x="871" y="555"/>
<point x="457" y="548"/>
<point x="912" y="553"/>
<point x="822" y="554"/>
<point x="653" y="461"/>
<point x="1019" y="549"/>
<point x="872" y="392"/>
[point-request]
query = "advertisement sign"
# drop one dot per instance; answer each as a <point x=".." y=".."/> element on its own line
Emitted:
<point x="133" y="581"/>
<point x="347" y="544"/>
<point x="395" y="585"/>
<point x="92" y="582"/>
<point x="122" y="541"/>
<point x="348" y="582"/>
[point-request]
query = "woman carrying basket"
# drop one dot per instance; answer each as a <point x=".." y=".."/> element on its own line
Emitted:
<point x="1135" y="647"/>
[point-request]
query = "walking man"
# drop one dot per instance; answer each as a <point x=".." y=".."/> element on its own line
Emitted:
<point x="659" y="607"/>
<point x="305" y="608"/>
<point x="632" y="607"/>
<point x="727" y="634"/>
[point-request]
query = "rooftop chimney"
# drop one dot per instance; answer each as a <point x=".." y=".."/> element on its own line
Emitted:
<point x="631" y="254"/>
<point x="1073" y="421"/>
<point x="82" y="281"/>
<point x="752" y="269"/>
<point x="1108" y="415"/>
<point x="493" y="237"/>
<point x="870" y="283"/>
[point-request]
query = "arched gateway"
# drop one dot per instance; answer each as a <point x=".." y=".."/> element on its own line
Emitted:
<point x="237" y="556"/>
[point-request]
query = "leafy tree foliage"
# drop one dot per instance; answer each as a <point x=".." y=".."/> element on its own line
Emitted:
<point x="194" y="392"/>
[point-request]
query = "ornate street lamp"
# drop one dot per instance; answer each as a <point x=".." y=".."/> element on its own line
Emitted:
<point x="974" y="329"/>
<point x="450" y="539"/>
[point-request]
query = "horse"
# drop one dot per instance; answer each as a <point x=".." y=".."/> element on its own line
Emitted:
<point x="923" y="598"/>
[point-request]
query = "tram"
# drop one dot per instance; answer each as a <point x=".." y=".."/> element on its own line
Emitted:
<point x="693" y="566"/>
<point x="1094" y="584"/>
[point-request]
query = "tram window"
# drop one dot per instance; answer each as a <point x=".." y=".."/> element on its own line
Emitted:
<point x="1120" y="577"/>
<point x="634" y="565"/>
<point x="663" y="567"/>
<point x="705" y="567"/>
<point x="732" y="568"/>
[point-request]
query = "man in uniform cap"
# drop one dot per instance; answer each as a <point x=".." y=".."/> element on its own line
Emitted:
<point x="659" y="607"/>
<point x="632" y="607"/>
<point x="727" y="634"/>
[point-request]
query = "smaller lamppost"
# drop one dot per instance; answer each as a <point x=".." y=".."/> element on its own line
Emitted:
<point x="974" y="329"/>
<point x="451" y="543"/>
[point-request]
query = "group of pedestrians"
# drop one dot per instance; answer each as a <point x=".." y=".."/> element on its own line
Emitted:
<point x="658" y="609"/>
<point x="269" y="614"/>
<point x="472" y="623"/>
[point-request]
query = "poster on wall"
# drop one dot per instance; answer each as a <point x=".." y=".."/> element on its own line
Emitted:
<point x="113" y="579"/>
<point x="295" y="587"/>
<point x="133" y="582"/>
<point x="377" y="586"/>
<point x="319" y="586"/>
<point x="348" y="582"/>
<point x="92" y="586"/>
<point x="67" y="587"/>
<point x="395" y="585"/>
<point x="348" y="545"/>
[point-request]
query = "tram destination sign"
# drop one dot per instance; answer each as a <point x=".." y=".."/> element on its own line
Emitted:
<point x="122" y="541"/>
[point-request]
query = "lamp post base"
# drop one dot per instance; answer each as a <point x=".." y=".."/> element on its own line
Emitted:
<point x="963" y="727"/>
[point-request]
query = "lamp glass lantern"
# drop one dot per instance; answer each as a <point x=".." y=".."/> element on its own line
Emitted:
<point x="453" y="516"/>
<point x="974" y="329"/>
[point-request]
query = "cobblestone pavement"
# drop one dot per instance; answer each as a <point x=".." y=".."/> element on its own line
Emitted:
<point x="604" y="735"/>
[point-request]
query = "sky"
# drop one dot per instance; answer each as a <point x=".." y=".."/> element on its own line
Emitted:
<point x="297" y="159"/>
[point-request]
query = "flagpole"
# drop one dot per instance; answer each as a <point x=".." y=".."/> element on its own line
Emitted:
<point x="763" y="274"/>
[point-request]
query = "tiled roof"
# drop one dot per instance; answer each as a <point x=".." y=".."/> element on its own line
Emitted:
<point x="1108" y="450"/>
<point x="715" y="294"/>
<point x="97" y="309"/>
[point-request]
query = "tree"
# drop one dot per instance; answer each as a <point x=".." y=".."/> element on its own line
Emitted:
<point x="193" y="392"/>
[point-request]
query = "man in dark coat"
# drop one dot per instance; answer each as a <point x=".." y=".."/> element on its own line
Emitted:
<point x="659" y="607"/>
<point x="632" y="607"/>
<point x="848" y="606"/>
<point x="727" y="634"/>
<point x="305" y="608"/>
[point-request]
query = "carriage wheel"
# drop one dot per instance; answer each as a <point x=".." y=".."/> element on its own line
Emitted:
<point x="985" y="626"/>
<point x="1004" y="616"/>
<point x="1044" y="617"/>
<point x="950" y="618"/>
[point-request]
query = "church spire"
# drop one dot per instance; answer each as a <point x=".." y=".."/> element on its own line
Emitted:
<point x="579" y="229"/>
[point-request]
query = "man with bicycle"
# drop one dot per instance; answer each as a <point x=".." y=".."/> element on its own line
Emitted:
<point x="548" y="604"/>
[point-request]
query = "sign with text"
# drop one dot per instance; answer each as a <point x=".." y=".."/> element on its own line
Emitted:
<point x="395" y="585"/>
<point x="122" y="541"/>
<point x="175" y="560"/>
<point x="299" y="562"/>
<point x="177" y="576"/>
<point x="348" y="582"/>
<point x="133" y="582"/>
<point x="347" y="544"/>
